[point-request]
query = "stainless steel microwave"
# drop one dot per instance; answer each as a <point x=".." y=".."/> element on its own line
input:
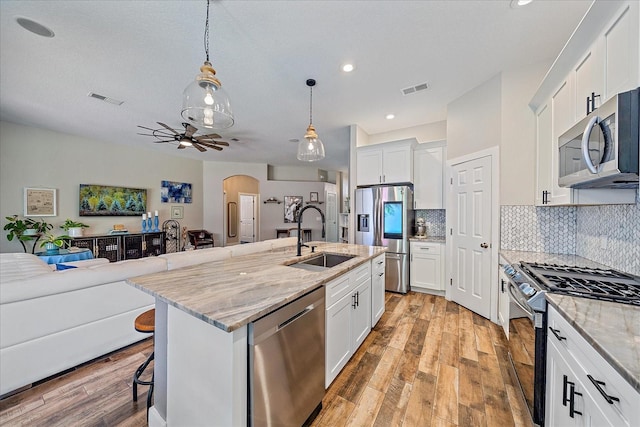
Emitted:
<point x="601" y="151"/>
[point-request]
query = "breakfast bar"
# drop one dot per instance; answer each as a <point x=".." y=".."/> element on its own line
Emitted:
<point x="201" y="328"/>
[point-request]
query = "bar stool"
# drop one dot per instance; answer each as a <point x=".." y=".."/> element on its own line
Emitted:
<point x="145" y="323"/>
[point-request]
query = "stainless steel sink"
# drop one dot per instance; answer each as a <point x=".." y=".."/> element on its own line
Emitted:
<point x="322" y="261"/>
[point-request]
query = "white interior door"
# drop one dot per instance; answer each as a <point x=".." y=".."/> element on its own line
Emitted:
<point x="247" y="218"/>
<point x="331" y="217"/>
<point x="471" y="235"/>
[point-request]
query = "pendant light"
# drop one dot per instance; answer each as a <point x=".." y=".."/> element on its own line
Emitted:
<point x="310" y="149"/>
<point x="204" y="102"/>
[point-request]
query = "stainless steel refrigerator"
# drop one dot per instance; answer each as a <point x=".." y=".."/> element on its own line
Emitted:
<point x="384" y="216"/>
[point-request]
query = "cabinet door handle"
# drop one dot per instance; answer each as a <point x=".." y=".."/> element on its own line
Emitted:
<point x="572" y="401"/>
<point x="380" y="274"/>
<point x="380" y="262"/>
<point x="604" y="394"/>
<point x="502" y="285"/>
<point x="379" y="178"/>
<point x="358" y="298"/>
<point x="353" y="301"/>
<point x="556" y="332"/>
<point x="424" y="248"/>
<point x="565" y="384"/>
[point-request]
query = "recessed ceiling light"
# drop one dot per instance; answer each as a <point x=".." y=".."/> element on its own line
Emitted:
<point x="35" y="27"/>
<point x="519" y="3"/>
<point x="347" y="68"/>
<point x="390" y="116"/>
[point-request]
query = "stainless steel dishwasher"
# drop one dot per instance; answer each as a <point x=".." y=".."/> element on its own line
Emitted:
<point x="286" y="363"/>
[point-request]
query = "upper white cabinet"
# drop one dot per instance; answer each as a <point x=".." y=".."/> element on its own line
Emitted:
<point x="428" y="171"/>
<point x="605" y="52"/>
<point x="388" y="163"/>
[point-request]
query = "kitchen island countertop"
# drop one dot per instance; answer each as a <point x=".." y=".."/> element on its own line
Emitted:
<point x="234" y="292"/>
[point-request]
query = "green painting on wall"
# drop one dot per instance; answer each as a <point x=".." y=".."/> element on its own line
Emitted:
<point x="101" y="200"/>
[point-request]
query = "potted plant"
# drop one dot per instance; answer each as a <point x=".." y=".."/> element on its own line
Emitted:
<point x="25" y="229"/>
<point x="73" y="228"/>
<point x="52" y="243"/>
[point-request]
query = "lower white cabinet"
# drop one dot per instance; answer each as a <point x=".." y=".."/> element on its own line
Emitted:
<point x="348" y="318"/>
<point x="377" y="288"/>
<point x="582" y="388"/>
<point x="426" y="266"/>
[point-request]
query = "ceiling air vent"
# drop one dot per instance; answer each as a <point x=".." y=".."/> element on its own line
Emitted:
<point x="414" y="89"/>
<point x="105" y="98"/>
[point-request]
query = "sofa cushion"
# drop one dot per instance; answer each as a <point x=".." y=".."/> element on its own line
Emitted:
<point x="189" y="258"/>
<point x="18" y="266"/>
<point x="78" y="278"/>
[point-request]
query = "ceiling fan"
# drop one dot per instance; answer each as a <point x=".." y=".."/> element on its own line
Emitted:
<point x="186" y="138"/>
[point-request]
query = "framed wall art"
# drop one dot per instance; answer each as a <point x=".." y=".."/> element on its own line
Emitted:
<point x="175" y="192"/>
<point x="313" y="196"/>
<point x="292" y="206"/>
<point x="40" y="202"/>
<point x="177" y="212"/>
<point x="102" y="200"/>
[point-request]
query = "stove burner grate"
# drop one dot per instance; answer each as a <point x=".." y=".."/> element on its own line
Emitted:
<point x="601" y="284"/>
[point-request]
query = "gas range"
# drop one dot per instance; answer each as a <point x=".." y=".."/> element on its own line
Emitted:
<point x="534" y="279"/>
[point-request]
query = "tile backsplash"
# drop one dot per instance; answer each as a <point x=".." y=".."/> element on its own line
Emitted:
<point x="608" y="234"/>
<point x="538" y="229"/>
<point x="435" y="219"/>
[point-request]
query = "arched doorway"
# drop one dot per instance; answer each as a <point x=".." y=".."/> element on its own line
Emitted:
<point x="241" y="209"/>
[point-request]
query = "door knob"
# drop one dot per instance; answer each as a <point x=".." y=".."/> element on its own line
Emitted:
<point x="484" y="245"/>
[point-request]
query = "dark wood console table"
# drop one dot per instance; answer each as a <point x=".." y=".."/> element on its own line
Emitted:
<point x="118" y="247"/>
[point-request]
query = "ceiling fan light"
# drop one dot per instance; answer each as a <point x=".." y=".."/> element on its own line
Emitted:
<point x="205" y="103"/>
<point x="185" y="142"/>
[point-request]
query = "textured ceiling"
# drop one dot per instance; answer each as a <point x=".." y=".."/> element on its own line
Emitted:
<point x="146" y="52"/>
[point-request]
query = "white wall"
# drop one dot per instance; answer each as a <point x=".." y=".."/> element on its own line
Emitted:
<point x="517" y="147"/>
<point x="474" y="119"/>
<point x="32" y="157"/>
<point x="272" y="214"/>
<point x="435" y="131"/>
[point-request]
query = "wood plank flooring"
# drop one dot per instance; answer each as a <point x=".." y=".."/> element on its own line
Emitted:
<point x="428" y="362"/>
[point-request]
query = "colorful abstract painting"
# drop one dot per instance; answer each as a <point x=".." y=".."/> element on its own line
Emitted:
<point x="101" y="200"/>
<point x="175" y="192"/>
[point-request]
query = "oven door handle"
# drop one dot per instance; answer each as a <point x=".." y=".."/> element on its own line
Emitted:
<point x="514" y="298"/>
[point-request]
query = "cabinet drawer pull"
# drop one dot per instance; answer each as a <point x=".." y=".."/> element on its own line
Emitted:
<point x="380" y="262"/>
<point x="565" y="384"/>
<point x="604" y="394"/>
<point x="572" y="401"/>
<point x="556" y="332"/>
<point x="424" y="248"/>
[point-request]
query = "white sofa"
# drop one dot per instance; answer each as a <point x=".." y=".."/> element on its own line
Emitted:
<point x="51" y="321"/>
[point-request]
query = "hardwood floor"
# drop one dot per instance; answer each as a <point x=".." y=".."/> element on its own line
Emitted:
<point x="428" y="362"/>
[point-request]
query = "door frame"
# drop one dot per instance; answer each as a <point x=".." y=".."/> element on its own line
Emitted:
<point x="494" y="154"/>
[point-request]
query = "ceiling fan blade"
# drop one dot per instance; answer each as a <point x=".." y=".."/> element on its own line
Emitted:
<point x="211" y="141"/>
<point x="168" y="140"/>
<point x="146" y="134"/>
<point x="206" y="144"/>
<point x="189" y="130"/>
<point x="210" y="136"/>
<point x="144" y="127"/>
<point x="168" y="128"/>
<point x="199" y="147"/>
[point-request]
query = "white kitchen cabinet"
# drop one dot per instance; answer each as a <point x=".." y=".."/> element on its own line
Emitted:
<point x="377" y="288"/>
<point x="387" y="163"/>
<point x="503" y="301"/>
<point x="574" y="368"/>
<point x="426" y="267"/>
<point x="428" y="171"/>
<point x="553" y="118"/>
<point x="348" y="318"/>
<point x="602" y="59"/>
<point x="338" y="336"/>
<point x="621" y="45"/>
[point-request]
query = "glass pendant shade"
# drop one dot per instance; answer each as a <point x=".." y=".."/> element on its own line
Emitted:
<point x="205" y="103"/>
<point x="310" y="149"/>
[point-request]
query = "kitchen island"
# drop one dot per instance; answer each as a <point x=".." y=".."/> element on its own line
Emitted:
<point x="202" y="313"/>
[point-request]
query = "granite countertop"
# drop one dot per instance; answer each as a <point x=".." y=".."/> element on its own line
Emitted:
<point x="612" y="329"/>
<point x="234" y="292"/>
<point x="430" y="239"/>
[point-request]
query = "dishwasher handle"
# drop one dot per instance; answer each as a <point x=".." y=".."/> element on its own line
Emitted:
<point x="295" y="317"/>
